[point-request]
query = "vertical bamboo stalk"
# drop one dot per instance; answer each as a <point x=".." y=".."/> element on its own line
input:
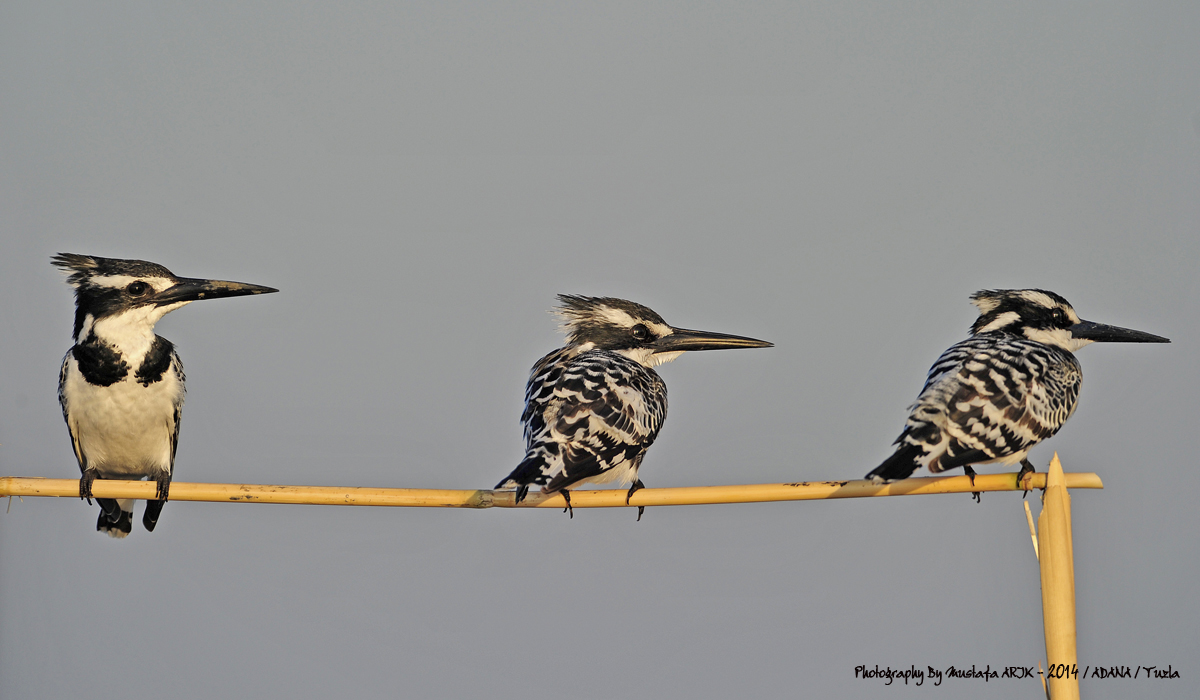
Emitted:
<point x="1056" y="561"/>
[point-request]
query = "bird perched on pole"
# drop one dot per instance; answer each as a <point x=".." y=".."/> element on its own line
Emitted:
<point x="121" y="386"/>
<point x="1012" y="384"/>
<point x="593" y="407"/>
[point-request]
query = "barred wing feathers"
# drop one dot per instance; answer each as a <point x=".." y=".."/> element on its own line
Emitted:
<point x="589" y="416"/>
<point x="986" y="399"/>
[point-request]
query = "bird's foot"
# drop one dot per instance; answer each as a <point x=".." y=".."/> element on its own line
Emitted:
<point x="522" y="492"/>
<point x="632" y="490"/>
<point x="164" y="487"/>
<point x="1026" y="468"/>
<point x="567" y="497"/>
<point x="971" y="473"/>
<point x="85" y="485"/>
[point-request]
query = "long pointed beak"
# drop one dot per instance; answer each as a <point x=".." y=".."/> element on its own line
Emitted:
<point x="195" y="289"/>
<point x="1101" y="333"/>
<point x="683" y="339"/>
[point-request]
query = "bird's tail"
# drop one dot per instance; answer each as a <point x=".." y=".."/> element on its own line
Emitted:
<point x="901" y="465"/>
<point x="114" y="520"/>
<point x="531" y="470"/>
<point x="150" y="517"/>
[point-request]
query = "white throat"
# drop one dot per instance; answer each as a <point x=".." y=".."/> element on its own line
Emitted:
<point x="1059" y="338"/>
<point x="646" y="357"/>
<point x="130" y="332"/>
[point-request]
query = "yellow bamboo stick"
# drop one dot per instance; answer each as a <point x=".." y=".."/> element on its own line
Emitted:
<point x="610" y="498"/>
<point x="1056" y="561"/>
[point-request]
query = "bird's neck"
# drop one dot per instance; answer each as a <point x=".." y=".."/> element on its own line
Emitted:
<point x="131" y="333"/>
<point x="1057" y="338"/>
<point x="647" y="358"/>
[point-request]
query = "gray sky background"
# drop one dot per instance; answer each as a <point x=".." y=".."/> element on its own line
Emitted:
<point x="420" y="180"/>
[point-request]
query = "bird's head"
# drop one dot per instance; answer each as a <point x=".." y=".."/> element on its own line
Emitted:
<point x="134" y="294"/>
<point x="636" y="331"/>
<point x="1045" y="317"/>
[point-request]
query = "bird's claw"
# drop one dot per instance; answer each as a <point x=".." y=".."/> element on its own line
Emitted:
<point x="85" y="485"/>
<point x="164" y="487"/>
<point x="1026" y="469"/>
<point x="567" y="497"/>
<point x="633" y="489"/>
<point x="974" y="494"/>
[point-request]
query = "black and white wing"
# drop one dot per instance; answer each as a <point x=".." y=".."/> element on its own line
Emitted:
<point x="62" y="401"/>
<point x="986" y="399"/>
<point x="588" y="417"/>
<point x="177" y="368"/>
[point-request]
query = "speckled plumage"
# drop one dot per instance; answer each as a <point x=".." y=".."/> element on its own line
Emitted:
<point x="594" y="407"/>
<point x="989" y="398"/>
<point x="589" y="416"/>
<point x="997" y="394"/>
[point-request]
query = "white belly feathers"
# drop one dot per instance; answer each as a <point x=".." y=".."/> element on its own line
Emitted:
<point x="124" y="429"/>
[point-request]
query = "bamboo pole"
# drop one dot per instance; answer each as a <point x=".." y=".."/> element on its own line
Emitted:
<point x="609" y="498"/>
<point x="1056" y="561"/>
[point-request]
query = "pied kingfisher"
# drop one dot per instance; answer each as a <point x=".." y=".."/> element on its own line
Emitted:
<point x="121" y="386"/>
<point x="594" y="407"/>
<point x="1012" y="384"/>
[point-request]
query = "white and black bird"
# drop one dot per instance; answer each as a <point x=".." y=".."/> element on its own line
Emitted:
<point x="1009" y="386"/>
<point x="593" y="407"/>
<point x="121" y="386"/>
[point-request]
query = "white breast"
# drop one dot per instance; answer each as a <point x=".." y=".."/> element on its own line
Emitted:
<point x="125" y="429"/>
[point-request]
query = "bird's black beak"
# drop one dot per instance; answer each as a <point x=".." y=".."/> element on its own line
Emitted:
<point x="196" y="289"/>
<point x="683" y="339"/>
<point x="1101" y="333"/>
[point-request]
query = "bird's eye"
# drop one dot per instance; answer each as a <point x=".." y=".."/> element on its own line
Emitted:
<point x="1060" y="317"/>
<point x="640" y="332"/>
<point x="138" y="288"/>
